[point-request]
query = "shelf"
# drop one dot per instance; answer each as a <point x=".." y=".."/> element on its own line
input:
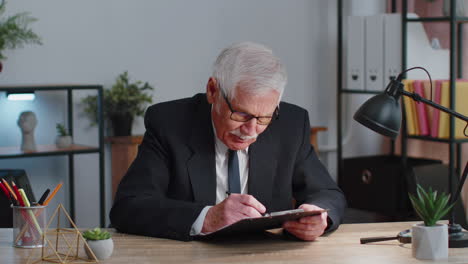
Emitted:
<point x="52" y="150"/>
<point x="455" y="25"/>
<point x="53" y="87"/>
<point x="444" y="140"/>
<point x="360" y="91"/>
<point x="437" y="19"/>
<point x="45" y="150"/>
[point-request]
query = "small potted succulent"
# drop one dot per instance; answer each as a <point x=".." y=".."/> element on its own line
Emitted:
<point x="100" y="242"/>
<point x="430" y="239"/>
<point x="64" y="140"/>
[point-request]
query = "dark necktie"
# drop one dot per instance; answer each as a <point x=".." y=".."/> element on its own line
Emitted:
<point x="233" y="172"/>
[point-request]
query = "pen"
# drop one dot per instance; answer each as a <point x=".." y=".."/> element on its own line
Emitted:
<point x="44" y="196"/>
<point x="5" y="191"/>
<point x="8" y="195"/>
<point x="15" y="188"/>
<point x="9" y="188"/>
<point x="31" y="215"/>
<point x="57" y="188"/>
<point x="22" y="204"/>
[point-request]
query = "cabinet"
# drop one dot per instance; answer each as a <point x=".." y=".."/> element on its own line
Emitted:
<point x="454" y="145"/>
<point x="123" y="151"/>
<point x="70" y="152"/>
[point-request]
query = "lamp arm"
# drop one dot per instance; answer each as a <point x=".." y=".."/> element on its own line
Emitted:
<point x="419" y="98"/>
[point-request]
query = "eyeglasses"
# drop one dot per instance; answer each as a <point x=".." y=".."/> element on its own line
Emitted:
<point x="244" y="117"/>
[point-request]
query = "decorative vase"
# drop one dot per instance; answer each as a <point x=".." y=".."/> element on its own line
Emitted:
<point x="63" y="141"/>
<point x="122" y="124"/>
<point x="429" y="242"/>
<point x="102" y="249"/>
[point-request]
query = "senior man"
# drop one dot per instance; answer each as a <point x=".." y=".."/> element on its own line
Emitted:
<point x="235" y="152"/>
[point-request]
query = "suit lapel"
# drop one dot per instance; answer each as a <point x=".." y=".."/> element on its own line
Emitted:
<point x="201" y="165"/>
<point x="262" y="161"/>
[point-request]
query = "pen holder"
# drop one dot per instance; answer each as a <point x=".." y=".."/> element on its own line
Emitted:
<point x="28" y="226"/>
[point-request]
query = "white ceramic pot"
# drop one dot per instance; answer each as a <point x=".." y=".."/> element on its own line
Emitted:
<point x="63" y="141"/>
<point x="102" y="249"/>
<point x="430" y="242"/>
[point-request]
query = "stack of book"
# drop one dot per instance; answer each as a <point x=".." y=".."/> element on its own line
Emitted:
<point x="424" y="120"/>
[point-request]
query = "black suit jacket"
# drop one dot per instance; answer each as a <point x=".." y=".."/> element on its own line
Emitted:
<point x="173" y="176"/>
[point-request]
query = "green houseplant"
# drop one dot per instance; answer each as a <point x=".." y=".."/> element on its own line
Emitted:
<point x="15" y="31"/>
<point x="96" y="234"/>
<point x="122" y="103"/>
<point x="430" y="240"/>
<point x="99" y="242"/>
<point x="430" y="205"/>
<point x="61" y="130"/>
<point x="63" y="140"/>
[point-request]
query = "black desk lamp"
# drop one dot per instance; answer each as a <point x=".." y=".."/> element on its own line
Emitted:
<point x="382" y="114"/>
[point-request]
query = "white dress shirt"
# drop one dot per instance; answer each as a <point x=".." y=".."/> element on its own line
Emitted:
<point x="222" y="170"/>
<point x="221" y="158"/>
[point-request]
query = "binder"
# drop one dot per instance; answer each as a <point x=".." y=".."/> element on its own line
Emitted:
<point x="355" y="67"/>
<point x="410" y="110"/>
<point x="461" y="106"/>
<point x="429" y="93"/>
<point x="392" y="46"/>
<point x="421" y="109"/>
<point x="436" y="112"/>
<point x="374" y="53"/>
<point x="441" y="123"/>
<point x="444" y="123"/>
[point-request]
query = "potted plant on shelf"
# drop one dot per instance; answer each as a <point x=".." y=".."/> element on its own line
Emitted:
<point x="430" y="240"/>
<point x="15" y="32"/>
<point x="122" y="103"/>
<point x="100" y="242"/>
<point x="64" y="140"/>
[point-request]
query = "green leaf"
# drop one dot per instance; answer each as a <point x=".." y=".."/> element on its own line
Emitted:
<point x="15" y="31"/>
<point x="419" y="207"/>
<point x="61" y="130"/>
<point x="430" y="205"/>
<point x="420" y="191"/>
<point x="96" y="234"/>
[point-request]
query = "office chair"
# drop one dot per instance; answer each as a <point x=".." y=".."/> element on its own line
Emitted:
<point x="313" y="136"/>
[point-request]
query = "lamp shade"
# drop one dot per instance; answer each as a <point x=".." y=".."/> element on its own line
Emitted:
<point x="382" y="114"/>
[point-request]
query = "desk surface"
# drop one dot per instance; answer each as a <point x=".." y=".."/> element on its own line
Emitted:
<point x="341" y="246"/>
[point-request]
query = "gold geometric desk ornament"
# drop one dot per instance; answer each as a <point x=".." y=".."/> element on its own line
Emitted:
<point x="62" y="245"/>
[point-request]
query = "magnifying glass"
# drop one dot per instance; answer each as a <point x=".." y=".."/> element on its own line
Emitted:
<point x="402" y="237"/>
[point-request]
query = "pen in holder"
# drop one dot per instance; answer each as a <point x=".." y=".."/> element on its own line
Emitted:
<point x="28" y="226"/>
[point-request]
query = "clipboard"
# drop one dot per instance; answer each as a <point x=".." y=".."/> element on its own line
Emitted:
<point x="259" y="224"/>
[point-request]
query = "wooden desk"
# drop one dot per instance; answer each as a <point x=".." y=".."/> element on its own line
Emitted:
<point x="340" y="247"/>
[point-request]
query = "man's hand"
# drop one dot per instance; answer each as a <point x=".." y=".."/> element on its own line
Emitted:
<point x="231" y="210"/>
<point x="310" y="227"/>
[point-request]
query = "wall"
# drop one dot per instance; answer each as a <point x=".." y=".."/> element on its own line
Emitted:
<point x="357" y="139"/>
<point x="171" y="44"/>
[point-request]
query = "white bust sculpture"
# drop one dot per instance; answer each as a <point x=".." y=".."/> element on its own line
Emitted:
<point x="27" y="122"/>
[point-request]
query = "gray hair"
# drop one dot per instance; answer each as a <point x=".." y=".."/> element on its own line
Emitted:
<point x="251" y="65"/>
